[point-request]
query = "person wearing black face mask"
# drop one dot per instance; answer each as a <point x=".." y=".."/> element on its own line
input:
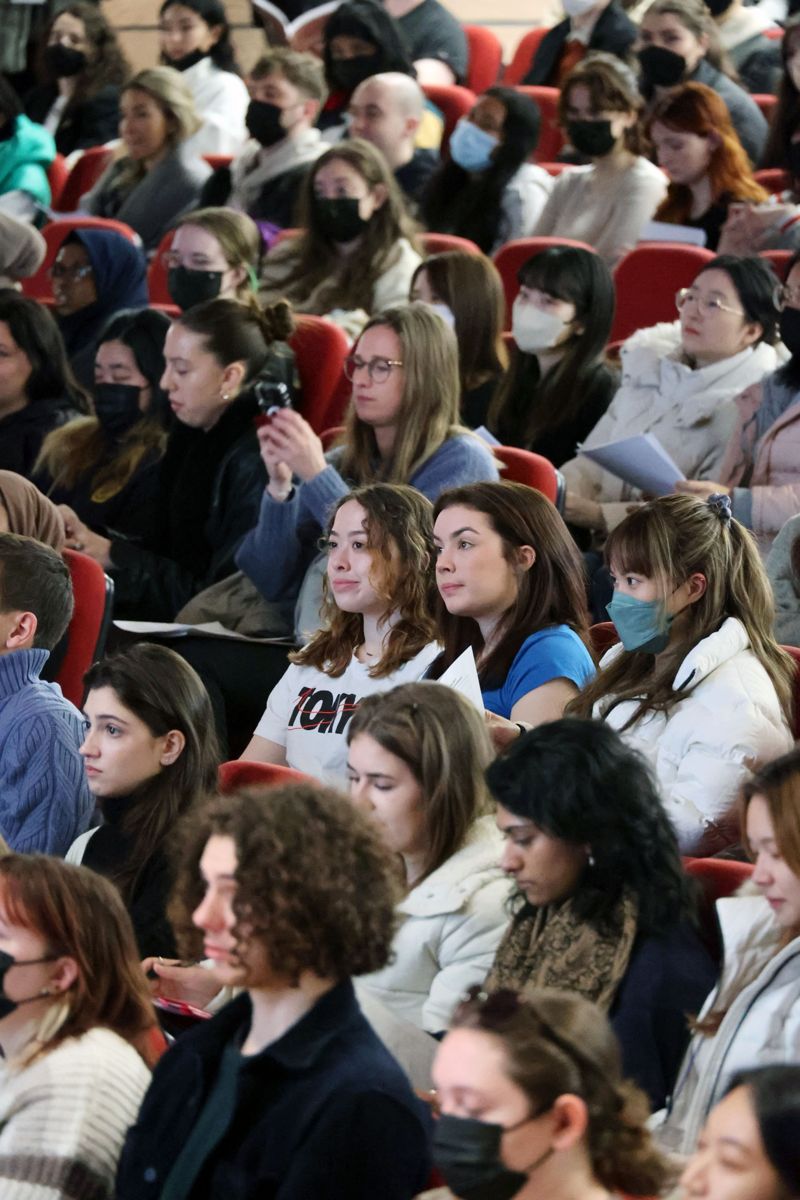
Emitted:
<point x="287" y="89"/>
<point x="743" y="34"/>
<point x="529" y="1091"/>
<point x="761" y="467"/>
<point x="607" y="203"/>
<point x="83" y="67"/>
<point x="104" y="468"/>
<point x="679" y="43"/>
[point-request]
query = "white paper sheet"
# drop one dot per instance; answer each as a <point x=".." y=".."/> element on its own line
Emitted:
<point x="462" y="676"/>
<point x="641" y="461"/>
<point x="665" y="231"/>
<point x="212" y="629"/>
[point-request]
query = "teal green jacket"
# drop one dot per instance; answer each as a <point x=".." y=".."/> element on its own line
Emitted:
<point x="24" y="159"/>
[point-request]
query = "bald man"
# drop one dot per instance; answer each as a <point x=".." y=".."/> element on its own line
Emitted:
<point x="386" y="110"/>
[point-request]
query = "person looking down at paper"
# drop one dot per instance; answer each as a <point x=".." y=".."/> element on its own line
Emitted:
<point x="697" y="682"/>
<point x="377" y="630"/>
<point x="679" y="382"/>
<point x="760" y="466"/>
<point x="511" y="587"/>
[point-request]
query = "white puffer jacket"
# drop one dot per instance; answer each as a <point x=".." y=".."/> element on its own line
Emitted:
<point x="760" y="992"/>
<point x="704" y="748"/>
<point x="452" y="923"/>
<point x="690" y="412"/>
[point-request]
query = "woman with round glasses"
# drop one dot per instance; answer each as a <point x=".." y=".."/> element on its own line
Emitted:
<point x="533" y="1103"/>
<point x="356" y="254"/>
<point x="679" y="383"/>
<point x="698" y="148"/>
<point x="402" y="427"/>
<point x="760" y="466"/>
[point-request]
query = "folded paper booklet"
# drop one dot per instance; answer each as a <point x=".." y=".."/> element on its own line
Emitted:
<point x="665" y="231"/>
<point x="304" y="32"/>
<point x="462" y="676"/>
<point x="211" y="629"/>
<point x="640" y="460"/>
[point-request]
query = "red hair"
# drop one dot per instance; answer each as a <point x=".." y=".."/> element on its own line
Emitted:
<point x="695" y="108"/>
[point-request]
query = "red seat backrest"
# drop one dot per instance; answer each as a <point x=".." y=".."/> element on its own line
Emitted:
<point x="57" y="175"/>
<point x="551" y="138"/>
<point x="437" y="243"/>
<point x="779" y="261"/>
<point x="603" y="635"/>
<point x="646" y="281"/>
<point x="453" y="102"/>
<point x="86" y="634"/>
<point x="215" y="161"/>
<point x="240" y="773"/>
<point x="510" y="257"/>
<point x="485" y="58"/>
<point x="717" y="877"/>
<point x="766" y="103"/>
<point x="774" y="179"/>
<point x="38" y="285"/>
<point x="523" y="466"/>
<point x="524" y="55"/>
<point x="83" y="176"/>
<point x="320" y="348"/>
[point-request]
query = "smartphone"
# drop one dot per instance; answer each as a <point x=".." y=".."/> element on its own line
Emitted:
<point x="271" y="397"/>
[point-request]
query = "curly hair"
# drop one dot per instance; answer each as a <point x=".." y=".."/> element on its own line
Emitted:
<point x="577" y="781"/>
<point x="107" y="65"/>
<point x="557" y="1043"/>
<point x="351" y="279"/>
<point x="695" y="108"/>
<point x="399" y="528"/>
<point x="307" y="862"/>
<point x="442" y="739"/>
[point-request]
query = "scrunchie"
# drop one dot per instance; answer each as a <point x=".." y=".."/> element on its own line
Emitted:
<point x="720" y="505"/>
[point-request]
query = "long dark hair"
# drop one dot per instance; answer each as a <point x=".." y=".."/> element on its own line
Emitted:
<point x="164" y="692"/>
<point x="36" y="333"/>
<point x="786" y="114"/>
<point x="222" y="53"/>
<point x="527" y="403"/>
<point x="472" y="208"/>
<point x="108" y="65"/>
<point x="552" y="592"/>
<point x="775" y="1096"/>
<point x="578" y="781"/>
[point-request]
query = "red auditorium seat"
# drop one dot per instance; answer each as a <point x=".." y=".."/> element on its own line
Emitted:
<point x="510" y="257"/>
<point x="646" y="281"/>
<point x="240" y="773"/>
<point x="523" y="58"/>
<point x="551" y="139"/>
<point x="485" y="58"/>
<point x="87" y="631"/>
<point x="523" y="466"/>
<point x="38" y="285"/>
<point x="83" y="176"/>
<point x="453" y="102"/>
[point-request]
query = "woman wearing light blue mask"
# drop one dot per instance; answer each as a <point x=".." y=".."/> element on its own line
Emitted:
<point x="467" y="292"/>
<point x="488" y="191"/>
<point x="698" y="683"/>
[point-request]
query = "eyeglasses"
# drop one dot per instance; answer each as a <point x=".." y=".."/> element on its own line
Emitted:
<point x="787" y="297"/>
<point x="59" y="271"/>
<point x="378" y="369"/>
<point x="708" y="305"/>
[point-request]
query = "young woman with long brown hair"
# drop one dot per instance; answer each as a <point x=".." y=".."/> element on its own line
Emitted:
<point x="696" y="144"/>
<point x="753" y="1017"/>
<point x="377" y="630"/>
<point x="511" y="586"/>
<point x="698" y="683"/>
<point x="77" y="1029"/>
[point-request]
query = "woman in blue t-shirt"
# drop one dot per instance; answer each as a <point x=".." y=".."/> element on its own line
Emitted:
<point x="511" y="586"/>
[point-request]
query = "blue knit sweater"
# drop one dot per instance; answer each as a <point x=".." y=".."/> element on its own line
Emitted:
<point x="44" y="798"/>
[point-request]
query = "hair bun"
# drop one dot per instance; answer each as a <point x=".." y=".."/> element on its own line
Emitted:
<point x="720" y="505"/>
<point x="276" y="321"/>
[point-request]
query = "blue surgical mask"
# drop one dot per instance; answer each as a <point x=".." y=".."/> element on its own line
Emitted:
<point x="641" y="624"/>
<point x="444" y="311"/>
<point x="472" y="147"/>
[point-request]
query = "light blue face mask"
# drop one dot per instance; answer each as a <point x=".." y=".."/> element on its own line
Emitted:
<point x="641" y="624"/>
<point x="472" y="147"/>
<point x="444" y="311"/>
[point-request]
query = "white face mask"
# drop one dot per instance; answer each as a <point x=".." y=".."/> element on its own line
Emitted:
<point x="577" y="8"/>
<point x="444" y="311"/>
<point x="533" y="329"/>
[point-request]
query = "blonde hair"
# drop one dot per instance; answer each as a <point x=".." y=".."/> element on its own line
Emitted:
<point x="429" y="404"/>
<point x="174" y="97"/>
<point x="442" y="739"/>
<point x="668" y="540"/>
<point x="239" y="239"/>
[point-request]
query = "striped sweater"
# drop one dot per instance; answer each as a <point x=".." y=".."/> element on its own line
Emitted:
<point x="64" y="1118"/>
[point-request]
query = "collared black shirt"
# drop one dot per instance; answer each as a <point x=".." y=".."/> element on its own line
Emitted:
<point x="323" y="1113"/>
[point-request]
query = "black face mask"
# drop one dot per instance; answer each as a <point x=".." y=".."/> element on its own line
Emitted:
<point x="188" y="60"/>
<point x="718" y="7"/>
<point x="263" y="122"/>
<point x="467" y="1152"/>
<point x="790" y="331"/>
<point x="188" y="287"/>
<point x="660" y="67"/>
<point x="7" y="961"/>
<point x="338" y="219"/>
<point x="592" y="138"/>
<point x="116" y="406"/>
<point x="347" y="73"/>
<point x="64" y="61"/>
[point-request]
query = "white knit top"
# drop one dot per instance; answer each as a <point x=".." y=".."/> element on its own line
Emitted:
<point x="64" y="1118"/>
